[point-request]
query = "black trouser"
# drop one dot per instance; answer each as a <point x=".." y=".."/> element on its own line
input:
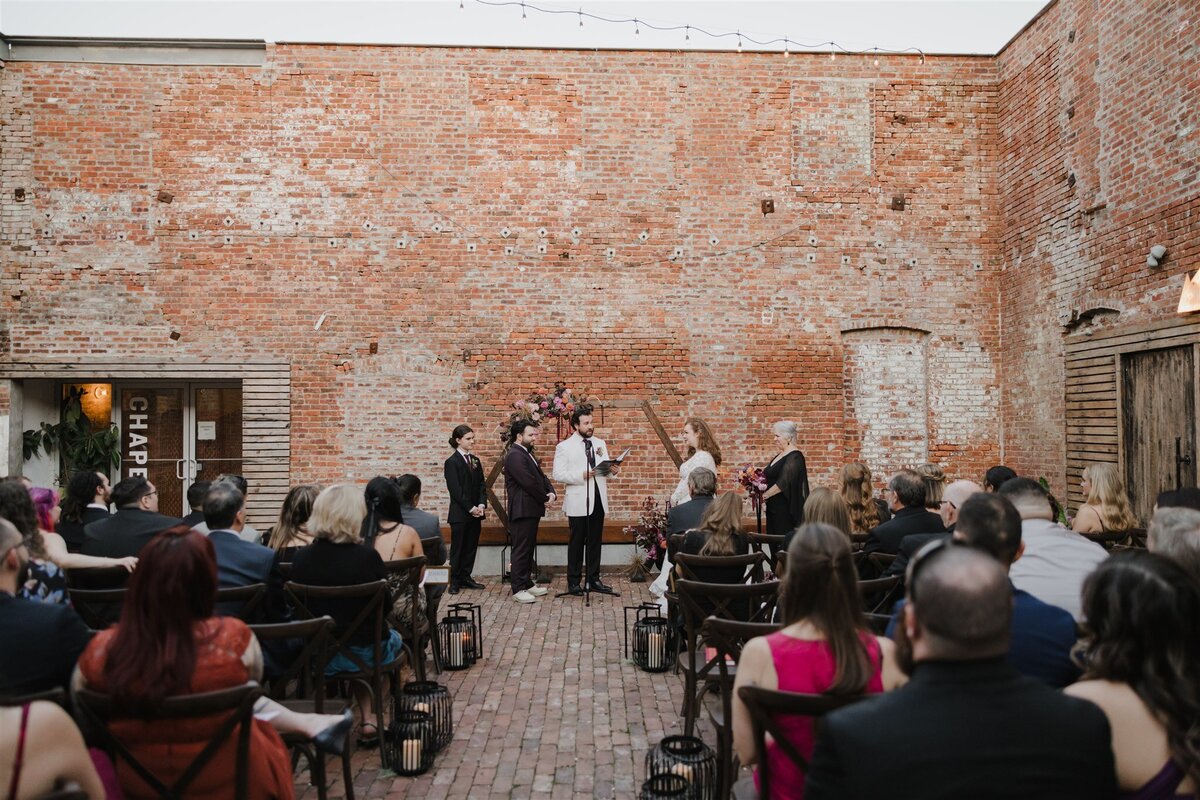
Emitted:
<point x="585" y="532"/>
<point x="524" y="537"/>
<point x="464" y="542"/>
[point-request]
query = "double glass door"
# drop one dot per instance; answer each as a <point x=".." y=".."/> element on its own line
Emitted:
<point x="175" y="434"/>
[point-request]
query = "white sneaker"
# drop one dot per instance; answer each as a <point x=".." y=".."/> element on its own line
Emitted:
<point x="538" y="591"/>
<point x="524" y="597"/>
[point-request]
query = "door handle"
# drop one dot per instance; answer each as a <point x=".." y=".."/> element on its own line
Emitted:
<point x="179" y="468"/>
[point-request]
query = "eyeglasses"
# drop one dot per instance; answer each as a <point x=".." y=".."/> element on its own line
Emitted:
<point x="151" y="494"/>
<point x="948" y="503"/>
<point x="923" y="556"/>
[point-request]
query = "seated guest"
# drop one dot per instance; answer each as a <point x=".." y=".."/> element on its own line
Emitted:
<point x="394" y="540"/>
<point x="428" y="528"/>
<point x="996" y="477"/>
<point x="241" y="563"/>
<point x="41" y="750"/>
<point x="906" y="496"/>
<point x="719" y="534"/>
<point x="248" y="533"/>
<point x="168" y="644"/>
<point x="702" y="484"/>
<point x="1042" y="635"/>
<point x="827" y="507"/>
<point x="136" y="522"/>
<point x="291" y="532"/>
<point x="1187" y="497"/>
<point x="195" y="498"/>
<point x="39" y="642"/>
<point x="866" y="510"/>
<point x="935" y="485"/>
<point x="967" y="724"/>
<point x="1175" y="533"/>
<point x="86" y="502"/>
<point x="338" y="557"/>
<point x="824" y="646"/>
<point x="1055" y="560"/>
<point x="45" y="507"/>
<point x="43" y="579"/>
<point x="1142" y="668"/>
<point x="1107" y="506"/>
<point x="952" y="499"/>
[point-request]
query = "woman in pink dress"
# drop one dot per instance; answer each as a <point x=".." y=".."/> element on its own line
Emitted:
<point x="824" y="647"/>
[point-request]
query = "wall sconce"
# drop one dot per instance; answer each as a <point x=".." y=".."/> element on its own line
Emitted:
<point x="1157" y="253"/>
<point x="1189" y="300"/>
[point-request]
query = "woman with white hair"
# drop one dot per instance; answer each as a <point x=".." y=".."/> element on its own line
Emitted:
<point x="787" y="482"/>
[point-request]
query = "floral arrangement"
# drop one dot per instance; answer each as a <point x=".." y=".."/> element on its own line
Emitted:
<point x="556" y="404"/>
<point x="754" y="481"/>
<point x="650" y="534"/>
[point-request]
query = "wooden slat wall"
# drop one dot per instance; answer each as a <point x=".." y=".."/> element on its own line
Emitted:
<point x="1092" y="372"/>
<point x="266" y="412"/>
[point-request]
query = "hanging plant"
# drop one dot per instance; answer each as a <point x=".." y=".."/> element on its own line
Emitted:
<point x="79" y="447"/>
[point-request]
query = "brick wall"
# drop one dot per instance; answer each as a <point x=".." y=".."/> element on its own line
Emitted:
<point x="374" y="184"/>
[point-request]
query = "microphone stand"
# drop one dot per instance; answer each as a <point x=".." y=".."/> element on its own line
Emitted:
<point x="587" y="508"/>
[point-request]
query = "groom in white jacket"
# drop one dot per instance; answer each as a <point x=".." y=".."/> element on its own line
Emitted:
<point x="587" y="497"/>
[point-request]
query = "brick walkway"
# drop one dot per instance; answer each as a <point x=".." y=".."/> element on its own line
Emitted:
<point x="553" y="711"/>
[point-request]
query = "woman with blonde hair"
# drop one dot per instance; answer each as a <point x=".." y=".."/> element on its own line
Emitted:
<point x="1107" y="505"/>
<point x="702" y="452"/>
<point x="825" y="506"/>
<point x="935" y="485"/>
<point x="719" y="534"/>
<point x="291" y="532"/>
<point x="857" y="491"/>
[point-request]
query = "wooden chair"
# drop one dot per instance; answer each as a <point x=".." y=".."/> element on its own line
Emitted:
<point x="878" y="623"/>
<point x="98" y="608"/>
<point x="1134" y="537"/>
<point x="727" y="638"/>
<point x="56" y="695"/>
<point x="745" y="602"/>
<point x="878" y="593"/>
<point x="97" y="710"/>
<point x="241" y="601"/>
<point x="415" y="643"/>
<point x="759" y="541"/>
<point x="374" y="599"/>
<point x="98" y="577"/>
<point x="766" y="706"/>
<point x="751" y="563"/>
<point x="300" y="686"/>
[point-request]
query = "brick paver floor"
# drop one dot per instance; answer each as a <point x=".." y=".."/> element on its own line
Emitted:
<point x="553" y="711"/>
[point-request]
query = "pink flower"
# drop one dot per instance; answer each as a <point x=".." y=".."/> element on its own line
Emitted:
<point x="544" y="404"/>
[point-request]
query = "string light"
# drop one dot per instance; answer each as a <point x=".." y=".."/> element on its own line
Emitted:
<point x="785" y="47"/>
<point x="687" y="33"/>
<point x="581" y="17"/>
<point x="523" y="11"/>
<point x="739" y="35"/>
<point x="636" y="29"/>
<point x="877" y="56"/>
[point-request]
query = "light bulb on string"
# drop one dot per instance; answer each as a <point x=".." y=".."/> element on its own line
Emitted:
<point x="832" y="55"/>
<point x="785" y="48"/>
<point x="636" y="30"/>
<point x="581" y="17"/>
<point x="877" y="56"/>
<point x="739" y="35"/>
<point x="687" y="33"/>
<point x="523" y="11"/>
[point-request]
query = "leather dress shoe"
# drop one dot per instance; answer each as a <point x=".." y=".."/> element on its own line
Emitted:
<point x="454" y="588"/>
<point x="575" y="590"/>
<point x="471" y="583"/>
<point x="602" y="588"/>
<point x="333" y="739"/>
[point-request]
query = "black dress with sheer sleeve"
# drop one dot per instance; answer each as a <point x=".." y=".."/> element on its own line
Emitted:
<point x="785" y="511"/>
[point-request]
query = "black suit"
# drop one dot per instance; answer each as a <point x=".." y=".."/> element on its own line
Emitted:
<point x="39" y="645"/>
<point x="125" y="532"/>
<point x="527" y="488"/>
<point x="909" y="547"/>
<point x="193" y="519"/>
<point x="72" y="532"/>
<point x="465" y="484"/>
<point x="975" y="729"/>
<point x="686" y="516"/>
<point x="886" y="537"/>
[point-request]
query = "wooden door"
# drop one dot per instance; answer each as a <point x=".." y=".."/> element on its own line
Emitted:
<point x="1158" y="407"/>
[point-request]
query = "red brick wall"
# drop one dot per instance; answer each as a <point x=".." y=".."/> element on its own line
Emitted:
<point x="1106" y="94"/>
<point x="313" y="185"/>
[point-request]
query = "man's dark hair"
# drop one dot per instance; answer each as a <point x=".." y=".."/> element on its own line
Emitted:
<point x="990" y="523"/>
<point x="80" y="491"/>
<point x="909" y="488"/>
<point x="996" y="477"/>
<point x="197" y="492"/>
<point x="222" y="504"/>
<point x="16" y="506"/>
<point x="236" y="480"/>
<point x="520" y="426"/>
<point x="580" y="411"/>
<point x="962" y="601"/>
<point x="1187" y="497"/>
<point x="130" y="491"/>
<point x="1019" y="490"/>
<point x="410" y="488"/>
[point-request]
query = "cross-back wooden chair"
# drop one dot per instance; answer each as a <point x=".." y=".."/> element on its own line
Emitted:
<point x="767" y="706"/>
<point x="878" y="593"/>
<point x="241" y="601"/>
<point x="236" y="703"/>
<point x="414" y="643"/>
<point x="727" y="637"/>
<point x="745" y="602"/>
<point x="98" y="608"/>
<point x="374" y="599"/>
<point x="1134" y="537"/>
<point x="878" y="623"/>
<point x="751" y="564"/>
<point x="769" y="544"/>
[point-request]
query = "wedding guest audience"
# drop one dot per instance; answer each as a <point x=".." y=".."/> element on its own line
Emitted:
<point x="46" y="509"/>
<point x="135" y="523"/>
<point x="823" y="647"/>
<point x="967" y="724"/>
<point x="787" y="482"/>
<point x="338" y="557"/>
<point x="248" y="532"/>
<point x="827" y="507"/>
<point x="86" y="502"/>
<point x="719" y="534"/>
<point x="41" y="579"/>
<point x="1142" y="668"/>
<point x="195" y="497"/>
<point x="1055" y="560"/>
<point x="394" y="540"/>
<point x="906" y="497"/>
<point x="1175" y="533"/>
<point x="935" y="485"/>
<point x="41" y="751"/>
<point x="1187" y="497"/>
<point x="703" y="453"/>
<point x="241" y="563"/>
<point x="291" y="532"/>
<point x="996" y="477"/>
<point x="866" y="510"/>
<point x="427" y="527"/>
<point x="953" y="497"/>
<point x="39" y="642"/>
<point x="1107" y="506"/>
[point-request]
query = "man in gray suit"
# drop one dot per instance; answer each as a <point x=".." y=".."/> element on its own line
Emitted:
<point x="702" y="484"/>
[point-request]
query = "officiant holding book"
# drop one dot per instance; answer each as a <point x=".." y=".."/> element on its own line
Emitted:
<point x="575" y="465"/>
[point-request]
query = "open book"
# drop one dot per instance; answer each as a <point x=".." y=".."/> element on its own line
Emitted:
<point x="605" y="467"/>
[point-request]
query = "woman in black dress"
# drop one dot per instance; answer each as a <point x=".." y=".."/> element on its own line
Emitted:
<point x="787" y="483"/>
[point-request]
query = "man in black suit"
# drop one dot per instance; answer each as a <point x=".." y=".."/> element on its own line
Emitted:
<point x="953" y="498"/>
<point x="241" y="563"/>
<point x="906" y="498"/>
<point x="702" y="485"/>
<point x="195" y="497"/>
<point x="136" y="522"/>
<point x="468" y="506"/>
<point x="967" y="724"/>
<point x="39" y="642"/>
<point x="528" y="491"/>
<point x="427" y="527"/>
<point x="86" y="502"/>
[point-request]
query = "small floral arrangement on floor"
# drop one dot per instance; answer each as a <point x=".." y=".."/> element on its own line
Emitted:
<point x="650" y="533"/>
<point x="556" y="404"/>
<point x="754" y="481"/>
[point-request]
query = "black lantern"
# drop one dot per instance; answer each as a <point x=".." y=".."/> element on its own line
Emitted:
<point x="664" y="787"/>
<point x="651" y="644"/>
<point x="409" y="746"/>
<point x="639" y="613"/>
<point x="430" y="698"/>
<point x="475" y="613"/>
<point x="455" y="635"/>
<point x="689" y="758"/>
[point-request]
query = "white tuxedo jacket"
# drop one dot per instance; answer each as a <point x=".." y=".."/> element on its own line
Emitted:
<point x="570" y="460"/>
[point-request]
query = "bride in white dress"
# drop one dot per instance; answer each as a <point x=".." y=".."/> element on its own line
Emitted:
<point x="702" y="452"/>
